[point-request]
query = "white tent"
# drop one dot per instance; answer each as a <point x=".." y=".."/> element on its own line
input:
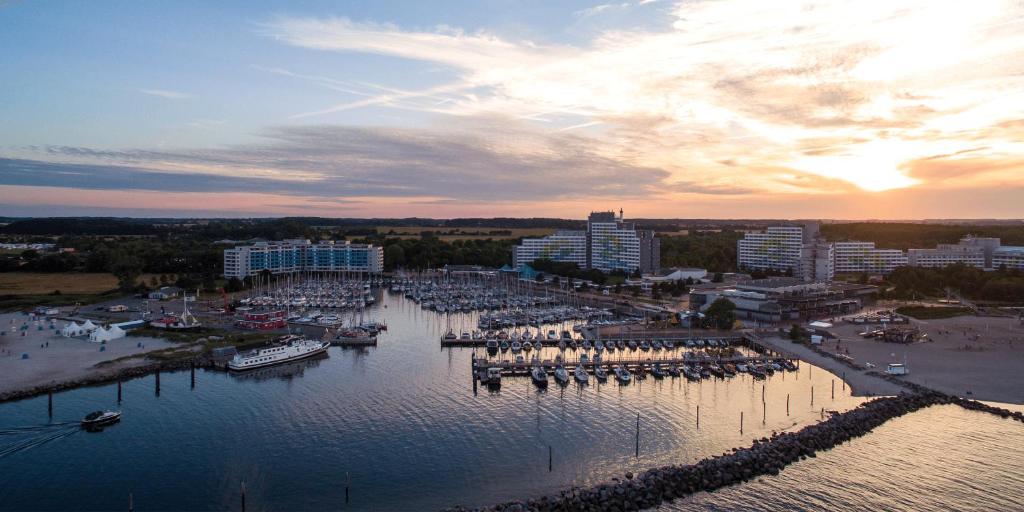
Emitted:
<point x="88" y="326"/>
<point x="100" y="335"/>
<point x="71" y="329"/>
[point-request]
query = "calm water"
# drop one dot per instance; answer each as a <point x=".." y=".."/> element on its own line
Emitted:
<point x="941" y="458"/>
<point x="401" y="420"/>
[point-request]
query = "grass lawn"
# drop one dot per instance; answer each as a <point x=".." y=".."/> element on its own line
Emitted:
<point x="933" y="313"/>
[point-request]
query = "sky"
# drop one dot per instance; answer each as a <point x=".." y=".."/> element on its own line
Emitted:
<point x="901" y="109"/>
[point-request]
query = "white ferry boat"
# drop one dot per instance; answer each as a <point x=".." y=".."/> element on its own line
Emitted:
<point x="290" y="348"/>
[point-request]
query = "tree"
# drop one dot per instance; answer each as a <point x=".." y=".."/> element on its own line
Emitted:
<point x="394" y="256"/>
<point x="721" y="314"/>
<point x="717" y="278"/>
<point x="127" y="269"/>
<point x="794" y="333"/>
<point x="234" y="285"/>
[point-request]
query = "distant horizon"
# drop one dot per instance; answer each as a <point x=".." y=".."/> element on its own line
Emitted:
<point x="735" y="109"/>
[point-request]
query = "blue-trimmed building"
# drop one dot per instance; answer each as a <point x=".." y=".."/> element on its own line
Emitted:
<point x="299" y="255"/>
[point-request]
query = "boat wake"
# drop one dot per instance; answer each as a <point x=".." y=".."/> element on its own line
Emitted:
<point x="19" y="439"/>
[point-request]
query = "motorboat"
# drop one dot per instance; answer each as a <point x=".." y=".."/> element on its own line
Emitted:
<point x="673" y="370"/>
<point x="656" y="344"/>
<point x="98" y="419"/>
<point x="580" y="373"/>
<point x="492" y="344"/>
<point x="599" y="345"/>
<point x="632" y="345"/>
<point x="586" y="345"/>
<point x="527" y="346"/>
<point x="645" y="345"/>
<point x="600" y="373"/>
<point x="516" y="346"/>
<point x="670" y="345"/>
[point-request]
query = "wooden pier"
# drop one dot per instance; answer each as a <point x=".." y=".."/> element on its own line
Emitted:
<point x="679" y="340"/>
<point x="512" y="368"/>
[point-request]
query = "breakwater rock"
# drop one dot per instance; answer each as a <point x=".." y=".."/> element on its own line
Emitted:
<point x="767" y="456"/>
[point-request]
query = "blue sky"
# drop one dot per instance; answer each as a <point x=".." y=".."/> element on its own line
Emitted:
<point x="671" y="108"/>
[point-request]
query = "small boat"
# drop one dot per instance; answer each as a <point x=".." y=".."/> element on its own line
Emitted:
<point x="599" y="345"/>
<point x="621" y="345"/>
<point x="670" y="345"/>
<point x="632" y="345"/>
<point x="519" y="359"/>
<point x="98" y="419"/>
<point x="657" y="372"/>
<point x="586" y="344"/>
<point x="561" y="375"/>
<point x="494" y="378"/>
<point x="673" y="370"/>
<point x="516" y="347"/>
<point x="527" y="346"/>
<point x="656" y="344"/>
<point x="640" y="373"/>
<point x="622" y="374"/>
<point x="503" y="345"/>
<point x="492" y="344"/>
<point x="644" y="345"/>
<point x="584" y="359"/>
<point x="580" y="373"/>
<point x="539" y="376"/>
<point x="610" y="346"/>
<point x="600" y="373"/>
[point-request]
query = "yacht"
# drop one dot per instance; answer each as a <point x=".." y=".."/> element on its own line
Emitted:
<point x="657" y="372"/>
<point x="494" y="378"/>
<point x="289" y="348"/>
<point x="516" y="347"/>
<point x="539" y="376"/>
<point x="600" y="373"/>
<point x="581" y="374"/>
<point x="561" y="375"/>
<point x="622" y="374"/>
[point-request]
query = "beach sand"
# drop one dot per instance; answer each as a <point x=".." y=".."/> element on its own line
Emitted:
<point x="970" y="356"/>
<point x="65" y="359"/>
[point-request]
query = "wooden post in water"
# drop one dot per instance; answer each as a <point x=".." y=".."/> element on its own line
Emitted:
<point x="698" y="416"/>
<point x="49" y="403"/>
<point x="741" y="422"/>
<point x="762" y="393"/>
<point x="158" y="383"/>
<point x="812" y="396"/>
<point x="787" y="404"/>
<point x="118" y="390"/>
<point x="348" y="483"/>
<point x="243" y="491"/>
<point x="638" y="435"/>
<point x="844" y="381"/>
<point x="549" y="458"/>
<point x="833" y="389"/>
<point x="131" y="503"/>
<point x="192" y="369"/>
<point x="764" y="413"/>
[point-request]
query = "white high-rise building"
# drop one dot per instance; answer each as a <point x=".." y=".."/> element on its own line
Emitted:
<point x="609" y="243"/>
<point x="614" y="243"/>
<point x="947" y="254"/>
<point x="302" y="255"/>
<point x="1011" y="257"/>
<point x="776" y="248"/>
<point x="863" y="257"/>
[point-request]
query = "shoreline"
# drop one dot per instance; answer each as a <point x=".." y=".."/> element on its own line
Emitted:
<point x="102" y="378"/>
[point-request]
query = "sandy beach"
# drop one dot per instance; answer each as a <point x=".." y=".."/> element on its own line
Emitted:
<point x="970" y="356"/>
<point x="54" y="359"/>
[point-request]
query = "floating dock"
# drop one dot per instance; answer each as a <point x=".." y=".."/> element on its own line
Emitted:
<point x="732" y="340"/>
<point x="512" y="368"/>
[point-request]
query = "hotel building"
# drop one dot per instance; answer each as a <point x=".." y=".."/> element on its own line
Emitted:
<point x="864" y="258"/>
<point x="1010" y="257"/>
<point x="609" y="243"/>
<point x="299" y="255"/>
<point x="947" y="254"/>
<point x="796" y="249"/>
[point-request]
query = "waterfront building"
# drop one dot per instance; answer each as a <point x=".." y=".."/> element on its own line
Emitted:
<point x="609" y="243"/>
<point x="779" y="299"/>
<point x="650" y="251"/>
<point x="297" y="255"/>
<point x="863" y="258"/>
<point x="1011" y="257"/>
<point x="799" y="250"/>
<point x="563" y="246"/>
<point x="947" y="254"/>
<point x="613" y="243"/>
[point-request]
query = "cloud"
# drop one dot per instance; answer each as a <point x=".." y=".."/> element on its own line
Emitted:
<point x="166" y="94"/>
<point x="761" y="83"/>
<point x="489" y="160"/>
